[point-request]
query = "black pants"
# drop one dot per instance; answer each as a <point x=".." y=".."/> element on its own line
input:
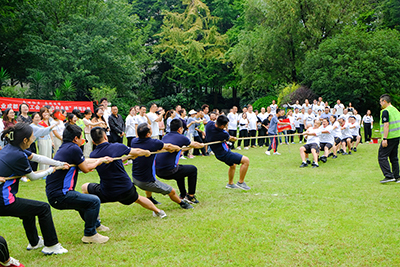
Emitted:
<point x="253" y="133"/>
<point x="291" y="137"/>
<point x="234" y="134"/>
<point x="32" y="149"/>
<point x="27" y="210"/>
<point x="243" y="133"/>
<point x="389" y="152"/>
<point x="261" y="132"/>
<point x="203" y="150"/>
<point x="300" y="130"/>
<point x="179" y="175"/>
<point x="115" y="138"/>
<point x="129" y="141"/>
<point x="4" y="254"/>
<point x="367" y="132"/>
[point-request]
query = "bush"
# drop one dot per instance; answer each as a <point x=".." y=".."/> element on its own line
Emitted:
<point x="13" y="91"/>
<point x="263" y="102"/>
<point x="283" y="97"/>
<point x="103" y="91"/>
<point x="301" y="94"/>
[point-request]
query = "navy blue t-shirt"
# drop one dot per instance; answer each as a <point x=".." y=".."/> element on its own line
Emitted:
<point x="13" y="162"/>
<point x="114" y="180"/>
<point x="169" y="161"/>
<point x="143" y="168"/>
<point x="60" y="182"/>
<point x="215" y="134"/>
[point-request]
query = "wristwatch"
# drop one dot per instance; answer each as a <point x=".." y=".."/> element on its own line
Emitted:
<point x="384" y="138"/>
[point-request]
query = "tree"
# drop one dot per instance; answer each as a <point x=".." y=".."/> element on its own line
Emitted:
<point x="356" y="66"/>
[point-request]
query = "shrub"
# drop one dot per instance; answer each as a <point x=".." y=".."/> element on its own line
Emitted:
<point x="263" y="102"/>
<point x="301" y="94"/>
<point x="283" y="97"/>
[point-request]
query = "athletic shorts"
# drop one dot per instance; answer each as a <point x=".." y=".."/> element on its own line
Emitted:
<point x="308" y="147"/>
<point x="156" y="186"/>
<point x="337" y="141"/>
<point x="230" y="158"/>
<point x="323" y="145"/>
<point x="354" y="139"/>
<point x="126" y="198"/>
<point x="345" y="139"/>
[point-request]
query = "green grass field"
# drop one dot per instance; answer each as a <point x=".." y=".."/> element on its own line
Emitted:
<point x="336" y="215"/>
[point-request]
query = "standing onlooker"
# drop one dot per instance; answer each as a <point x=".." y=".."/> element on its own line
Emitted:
<point x="367" y="123"/>
<point x="273" y="106"/>
<point x="79" y="122"/>
<point x="23" y="114"/>
<point x="45" y="143"/>
<point x="117" y="126"/>
<point x="233" y="117"/>
<point x="251" y="116"/>
<point x="88" y="147"/>
<point x="262" y="131"/>
<point x="350" y="108"/>
<point x="9" y="118"/>
<point x="390" y="124"/>
<point x="298" y="118"/>
<point x="292" y="124"/>
<point x="306" y="106"/>
<point x="154" y="119"/>
<point x="142" y="117"/>
<point x="57" y="131"/>
<point x="169" y="116"/>
<point x="191" y="124"/>
<point x="358" y="120"/>
<point x="161" y="125"/>
<point x="273" y="131"/>
<point x="130" y="125"/>
<point x="243" y="131"/>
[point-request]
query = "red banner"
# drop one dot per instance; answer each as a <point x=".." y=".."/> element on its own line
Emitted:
<point x="36" y="104"/>
<point x="282" y="128"/>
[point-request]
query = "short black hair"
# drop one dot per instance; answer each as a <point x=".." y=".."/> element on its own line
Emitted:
<point x="143" y="129"/>
<point x="88" y="111"/>
<point x="104" y="98"/>
<point x="16" y="134"/>
<point x="71" y="131"/>
<point x="97" y="134"/>
<point x="76" y="112"/>
<point x="386" y="97"/>
<point x="142" y="107"/>
<point x="222" y="120"/>
<point x="205" y="106"/>
<point x="114" y="106"/>
<point x="175" y="125"/>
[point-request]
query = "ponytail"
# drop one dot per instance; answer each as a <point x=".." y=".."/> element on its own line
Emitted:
<point x="16" y="134"/>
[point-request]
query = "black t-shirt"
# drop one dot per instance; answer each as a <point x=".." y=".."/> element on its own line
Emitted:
<point x="114" y="180"/>
<point x="169" y="161"/>
<point x="215" y="134"/>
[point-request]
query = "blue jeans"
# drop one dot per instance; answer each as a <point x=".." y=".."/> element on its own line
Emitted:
<point x="87" y="205"/>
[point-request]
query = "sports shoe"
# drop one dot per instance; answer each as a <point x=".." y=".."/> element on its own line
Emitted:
<point x="243" y="186"/>
<point x="182" y="157"/>
<point x="323" y="159"/>
<point x="155" y="202"/>
<point x="246" y="148"/>
<point x="191" y="199"/>
<point x="355" y="149"/>
<point x="315" y="165"/>
<point x="161" y="214"/>
<point x="185" y="205"/>
<point x="330" y="155"/>
<point x="12" y="262"/>
<point x="303" y="164"/>
<point x="191" y="157"/>
<point x="239" y="148"/>
<point x="387" y="180"/>
<point x="300" y="142"/>
<point x="40" y="244"/>
<point x="398" y="180"/>
<point x="334" y="157"/>
<point x="277" y="153"/>
<point x="231" y="186"/>
<point x="344" y="153"/>
<point x="349" y="153"/>
<point x="293" y="143"/>
<point x="268" y="153"/>
<point x="97" y="239"/>
<point x="341" y="151"/>
<point x="56" y="249"/>
<point x="102" y="228"/>
<point x="308" y="161"/>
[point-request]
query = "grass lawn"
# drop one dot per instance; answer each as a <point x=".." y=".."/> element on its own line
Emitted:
<point x="335" y="215"/>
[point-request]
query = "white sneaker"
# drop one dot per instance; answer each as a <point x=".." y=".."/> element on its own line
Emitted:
<point x="268" y="153"/>
<point x="56" y="249"/>
<point x="40" y="244"/>
<point x="161" y="214"/>
<point x="247" y="148"/>
<point x="277" y="153"/>
<point x="300" y="142"/>
<point x="102" y="228"/>
<point x="24" y="179"/>
<point x="182" y="157"/>
<point x="239" y="148"/>
<point x="293" y="143"/>
<point x="11" y="262"/>
<point x="97" y="238"/>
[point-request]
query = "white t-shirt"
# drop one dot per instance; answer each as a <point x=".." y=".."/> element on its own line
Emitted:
<point x="252" y="120"/>
<point x="294" y="106"/>
<point x="345" y="117"/>
<point x="298" y="119"/>
<point x="59" y="128"/>
<point x="243" y="124"/>
<point x="358" y="118"/>
<point x="309" y="118"/>
<point x="233" y="121"/>
<point x="130" y="123"/>
<point x="312" y="139"/>
<point x="306" y="107"/>
<point x="327" y="137"/>
<point x="141" y="119"/>
<point x="368" y="119"/>
<point x="106" y="114"/>
<point x="346" y="131"/>
<point x="336" y="130"/>
<point x="315" y="108"/>
<point x="354" y="131"/>
<point x="273" y="108"/>
<point x="262" y="117"/>
<point x="154" y="124"/>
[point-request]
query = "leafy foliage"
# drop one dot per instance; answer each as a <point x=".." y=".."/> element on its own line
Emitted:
<point x="14" y="91"/>
<point x="283" y="96"/>
<point x="263" y="102"/>
<point x="103" y="91"/>
<point x="301" y="94"/>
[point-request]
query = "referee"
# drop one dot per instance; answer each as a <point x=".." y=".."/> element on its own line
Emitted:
<point x="390" y="130"/>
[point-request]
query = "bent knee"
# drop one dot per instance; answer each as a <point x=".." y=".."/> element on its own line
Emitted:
<point x="84" y="188"/>
<point x="245" y="160"/>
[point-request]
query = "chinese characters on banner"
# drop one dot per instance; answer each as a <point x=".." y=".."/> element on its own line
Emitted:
<point x="36" y="104"/>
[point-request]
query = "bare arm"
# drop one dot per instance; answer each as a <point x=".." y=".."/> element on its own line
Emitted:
<point x="90" y="164"/>
<point x="171" y="148"/>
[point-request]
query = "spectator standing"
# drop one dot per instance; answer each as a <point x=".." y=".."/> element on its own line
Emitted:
<point x="117" y="126"/>
<point x="273" y="106"/>
<point x="23" y="114"/>
<point x="154" y="118"/>
<point x="88" y="147"/>
<point x="8" y="118"/>
<point x="233" y="117"/>
<point x="57" y="131"/>
<point x="130" y="124"/>
<point x="251" y="116"/>
<point x="367" y="123"/>
<point x="45" y="143"/>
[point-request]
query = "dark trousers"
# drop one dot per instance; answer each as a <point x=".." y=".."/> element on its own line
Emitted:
<point x="367" y="132"/>
<point x="234" y="134"/>
<point x="243" y="133"/>
<point x="291" y="137"/>
<point x="115" y="138"/>
<point x="4" y="254"/>
<point x="27" y="210"/>
<point x="273" y="143"/>
<point x="389" y="152"/>
<point x="183" y="171"/>
<point x="300" y="130"/>
<point x="129" y="141"/>
<point x="261" y="132"/>
<point x="87" y="205"/>
<point x="253" y="133"/>
<point x="33" y="164"/>
<point x="203" y="150"/>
